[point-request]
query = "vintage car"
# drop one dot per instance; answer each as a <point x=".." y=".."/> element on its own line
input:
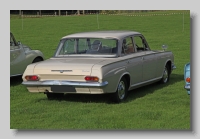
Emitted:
<point x="99" y="62"/>
<point x="21" y="56"/>
<point x="187" y="77"/>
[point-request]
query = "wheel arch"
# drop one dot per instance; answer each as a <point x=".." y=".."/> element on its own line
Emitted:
<point x="38" y="57"/>
<point x="121" y="94"/>
<point x="169" y="65"/>
<point x="125" y="75"/>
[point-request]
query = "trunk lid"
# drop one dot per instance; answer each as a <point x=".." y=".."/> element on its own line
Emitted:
<point x="73" y="69"/>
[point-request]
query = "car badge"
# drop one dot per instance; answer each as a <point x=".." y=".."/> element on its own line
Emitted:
<point x="61" y="71"/>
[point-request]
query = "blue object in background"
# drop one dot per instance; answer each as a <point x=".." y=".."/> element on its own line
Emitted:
<point x="187" y="77"/>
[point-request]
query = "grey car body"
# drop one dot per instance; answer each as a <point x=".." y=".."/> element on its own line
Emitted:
<point x="100" y="62"/>
<point x="21" y="56"/>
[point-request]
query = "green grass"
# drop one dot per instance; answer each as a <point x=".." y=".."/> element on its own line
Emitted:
<point x="157" y="106"/>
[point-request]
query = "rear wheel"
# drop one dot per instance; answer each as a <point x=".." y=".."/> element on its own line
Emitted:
<point x="52" y="96"/>
<point x="121" y="93"/>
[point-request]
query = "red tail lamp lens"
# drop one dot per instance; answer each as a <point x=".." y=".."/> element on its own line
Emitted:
<point x="187" y="79"/>
<point x="92" y="78"/>
<point x="32" y="78"/>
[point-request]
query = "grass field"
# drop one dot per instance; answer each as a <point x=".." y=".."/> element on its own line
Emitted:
<point x="154" y="107"/>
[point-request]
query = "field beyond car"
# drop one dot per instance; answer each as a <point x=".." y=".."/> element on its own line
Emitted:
<point x="99" y="62"/>
<point x="21" y="56"/>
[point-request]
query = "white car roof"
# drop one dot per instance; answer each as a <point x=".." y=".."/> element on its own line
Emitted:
<point x="103" y="34"/>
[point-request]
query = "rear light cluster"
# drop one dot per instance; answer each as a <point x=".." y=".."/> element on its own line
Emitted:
<point x="187" y="79"/>
<point x="36" y="78"/>
<point x="92" y="78"/>
<point x="32" y="78"/>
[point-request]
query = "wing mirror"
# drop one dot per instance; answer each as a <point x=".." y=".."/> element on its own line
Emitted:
<point x="164" y="47"/>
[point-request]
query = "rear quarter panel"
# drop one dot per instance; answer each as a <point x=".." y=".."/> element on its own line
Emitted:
<point x="111" y="71"/>
<point x="32" y="54"/>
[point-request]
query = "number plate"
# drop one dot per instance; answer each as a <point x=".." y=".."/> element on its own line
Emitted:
<point x="62" y="89"/>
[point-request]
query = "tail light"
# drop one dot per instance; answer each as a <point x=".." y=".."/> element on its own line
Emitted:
<point x="32" y="78"/>
<point x="92" y="78"/>
<point x="187" y="79"/>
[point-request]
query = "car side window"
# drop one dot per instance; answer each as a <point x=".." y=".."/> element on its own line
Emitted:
<point x="12" y="42"/>
<point x="140" y="43"/>
<point x="127" y="46"/>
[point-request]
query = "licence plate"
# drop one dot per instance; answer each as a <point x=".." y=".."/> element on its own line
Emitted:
<point x="62" y="89"/>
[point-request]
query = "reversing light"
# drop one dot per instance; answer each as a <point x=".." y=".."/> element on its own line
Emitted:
<point x="187" y="79"/>
<point x="92" y="78"/>
<point x="32" y="78"/>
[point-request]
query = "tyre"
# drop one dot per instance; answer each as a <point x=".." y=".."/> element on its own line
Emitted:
<point x="121" y="93"/>
<point x="37" y="59"/>
<point x="166" y="75"/>
<point x="52" y="96"/>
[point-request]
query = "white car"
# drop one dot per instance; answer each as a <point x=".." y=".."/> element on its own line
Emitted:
<point x="98" y="63"/>
<point x="21" y="56"/>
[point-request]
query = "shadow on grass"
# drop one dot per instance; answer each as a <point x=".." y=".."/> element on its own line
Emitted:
<point x="150" y="89"/>
<point x="83" y="98"/>
<point x="88" y="98"/>
<point x="133" y="94"/>
<point x="15" y="80"/>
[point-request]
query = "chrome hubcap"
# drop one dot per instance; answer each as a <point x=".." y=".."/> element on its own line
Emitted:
<point x="121" y="90"/>
<point x="165" y="75"/>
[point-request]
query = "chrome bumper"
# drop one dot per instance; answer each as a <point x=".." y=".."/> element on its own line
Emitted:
<point x="173" y="67"/>
<point x="64" y="83"/>
<point x="187" y="87"/>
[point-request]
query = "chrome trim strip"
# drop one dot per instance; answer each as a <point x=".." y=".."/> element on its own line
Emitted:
<point x="61" y="71"/>
<point x="151" y="80"/>
<point x="64" y="83"/>
<point x="187" y="87"/>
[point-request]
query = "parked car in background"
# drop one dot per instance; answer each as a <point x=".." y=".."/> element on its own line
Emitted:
<point x="97" y="63"/>
<point x="187" y="77"/>
<point x="21" y="56"/>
